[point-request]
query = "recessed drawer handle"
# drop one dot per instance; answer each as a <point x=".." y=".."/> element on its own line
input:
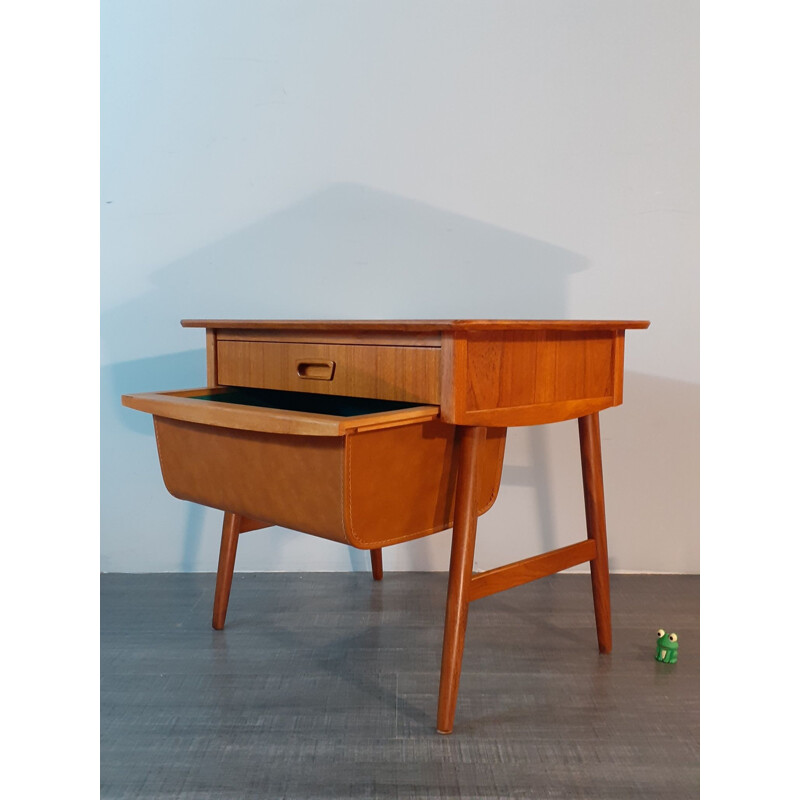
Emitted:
<point x="316" y="370"/>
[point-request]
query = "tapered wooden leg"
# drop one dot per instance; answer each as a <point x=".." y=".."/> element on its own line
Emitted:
<point x="231" y="527"/>
<point x="592" y="465"/>
<point x="376" y="557"/>
<point x="462" y="554"/>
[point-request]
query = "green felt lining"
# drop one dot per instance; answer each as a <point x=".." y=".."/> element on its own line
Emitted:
<point x="334" y="405"/>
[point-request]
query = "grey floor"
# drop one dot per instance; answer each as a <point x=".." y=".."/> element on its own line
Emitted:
<point x="324" y="685"/>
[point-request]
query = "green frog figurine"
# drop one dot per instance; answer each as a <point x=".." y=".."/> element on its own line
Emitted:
<point x="666" y="647"/>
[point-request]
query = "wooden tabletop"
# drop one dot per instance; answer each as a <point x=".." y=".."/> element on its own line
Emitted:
<point x="418" y="325"/>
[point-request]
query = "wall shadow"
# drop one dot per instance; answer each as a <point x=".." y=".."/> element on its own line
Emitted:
<point x="651" y="473"/>
<point x="175" y="370"/>
<point x="157" y="374"/>
<point x="538" y="476"/>
<point x="347" y="251"/>
<point x="354" y="252"/>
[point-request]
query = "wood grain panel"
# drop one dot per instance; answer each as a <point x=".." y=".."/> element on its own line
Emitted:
<point x="409" y="374"/>
<point x="528" y="377"/>
<point x="505" y="370"/>
<point x="400" y="483"/>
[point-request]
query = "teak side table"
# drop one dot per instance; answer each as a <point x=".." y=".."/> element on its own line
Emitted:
<point x="373" y="433"/>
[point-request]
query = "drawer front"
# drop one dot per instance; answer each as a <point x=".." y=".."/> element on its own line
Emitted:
<point x="409" y="374"/>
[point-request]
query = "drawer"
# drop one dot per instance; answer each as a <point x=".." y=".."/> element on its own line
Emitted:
<point x="367" y="473"/>
<point x="409" y="374"/>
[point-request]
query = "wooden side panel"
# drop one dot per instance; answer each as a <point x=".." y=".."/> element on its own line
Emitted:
<point x="530" y="377"/>
<point x="400" y="482"/>
<point x="293" y="481"/>
<point x="409" y="374"/>
<point x="211" y="357"/>
<point x="508" y="370"/>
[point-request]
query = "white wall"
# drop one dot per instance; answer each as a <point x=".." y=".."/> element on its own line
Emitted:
<point x="405" y="159"/>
